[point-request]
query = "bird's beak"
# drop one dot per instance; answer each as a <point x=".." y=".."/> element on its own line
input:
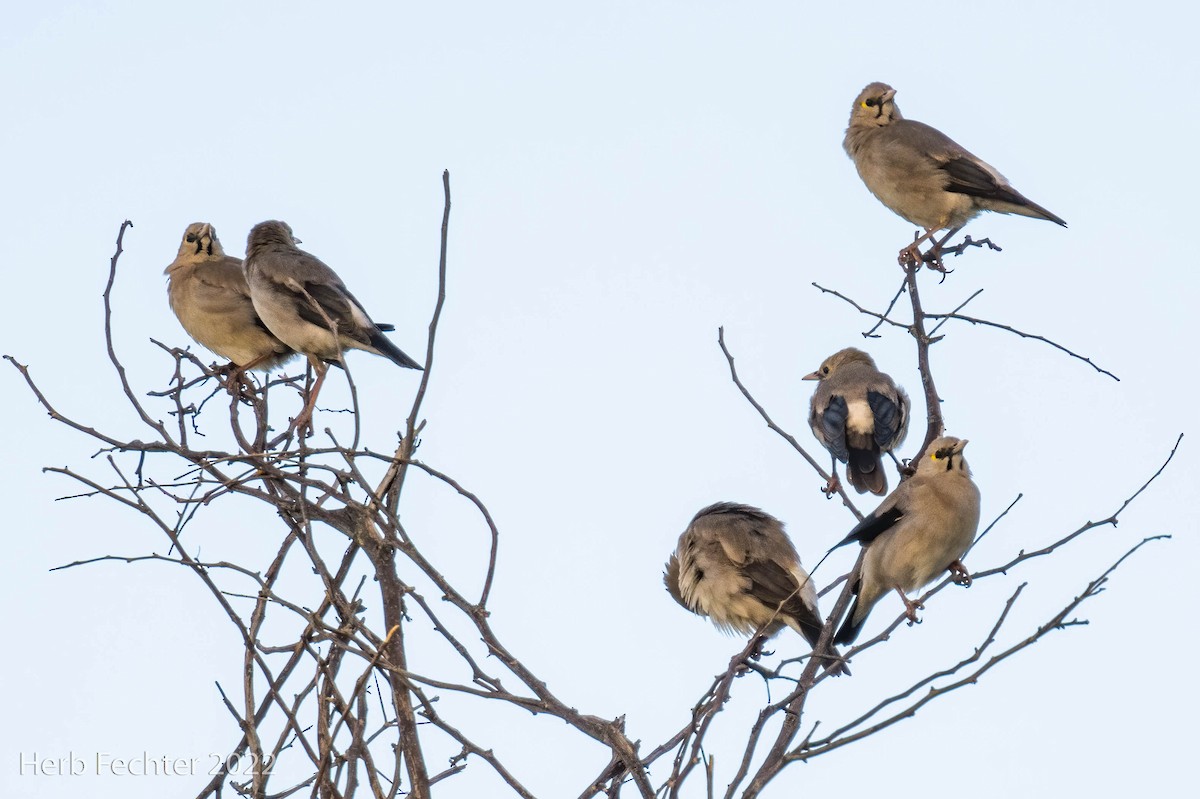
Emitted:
<point x="813" y="376"/>
<point x="888" y="95"/>
<point x="962" y="444"/>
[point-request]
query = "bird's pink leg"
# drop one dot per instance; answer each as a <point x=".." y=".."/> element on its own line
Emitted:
<point x="911" y="255"/>
<point x="959" y="573"/>
<point x="833" y="484"/>
<point x="910" y="608"/>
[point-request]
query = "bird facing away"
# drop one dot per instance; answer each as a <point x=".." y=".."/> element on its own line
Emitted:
<point x="921" y="173"/>
<point x="923" y="528"/>
<point x="303" y="302"/>
<point x="857" y="412"/>
<point x="735" y="564"/>
<point x="208" y="292"/>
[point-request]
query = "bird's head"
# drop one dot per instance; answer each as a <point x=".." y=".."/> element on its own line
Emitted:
<point x="875" y="106"/>
<point x="271" y="232"/>
<point x="200" y="239"/>
<point x="831" y="365"/>
<point x="945" y="455"/>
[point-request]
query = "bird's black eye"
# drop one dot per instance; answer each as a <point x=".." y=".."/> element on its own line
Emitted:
<point x="872" y="102"/>
<point x="824" y="370"/>
<point x="191" y="238"/>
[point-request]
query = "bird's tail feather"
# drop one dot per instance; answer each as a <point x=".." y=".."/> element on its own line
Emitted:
<point x="850" y="628"/>
<point x="866" y="473"/>
<point x="393" y="353"/>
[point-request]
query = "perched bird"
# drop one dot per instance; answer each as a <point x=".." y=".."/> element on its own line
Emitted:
<point x="303" y="301"/>
<point x="208" y="293"/>
<point x="922" y="174"/>
<point x="736" y="565"/>
<point x="857" y="412"/>
<point x="923" y="528"/>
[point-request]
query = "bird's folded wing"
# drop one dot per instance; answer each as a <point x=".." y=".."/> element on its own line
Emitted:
<point x="832" y="421"/>
<point x="874" y="525"/>
<point x="335" y="305"/>
<point x="889" y="418"/>
<point x="966" y="176"/>
<point x="776" y="587"/>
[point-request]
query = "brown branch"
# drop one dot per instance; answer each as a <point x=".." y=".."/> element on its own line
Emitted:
<point x="933" y="403"/>
<point x="957" y="308"/>
<point x="393" y="483"/>
<point x="882" y="317"/>
<point x="985" y="323"/>
<point x="792" y="706"/>
<point x="1057" y="621"/>
<point x="108" y="336"/>
<point x="895" y="298"/>
<point x="1111" y="520"/>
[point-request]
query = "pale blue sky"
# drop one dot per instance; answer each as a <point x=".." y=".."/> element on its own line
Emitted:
<point x="626" y="178"/>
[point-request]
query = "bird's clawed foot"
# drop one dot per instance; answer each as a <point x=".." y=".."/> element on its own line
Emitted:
<point x="759" y="651"/>
<point x="910" y="608"/>
<point x="959" y="574"/>
<point x="229" y="375"/>
<point x="832" y="486"/>
<point x="303" y="426"/>
<point x="910" y="257"/>
<point x="236" y="381"/>
<point x="932" y="259"/>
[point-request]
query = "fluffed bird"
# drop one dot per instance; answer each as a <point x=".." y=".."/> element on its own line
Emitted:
<point x="736" y="565"/>
<point x="922" y="174"/>
<point x="857" y="412"/>
<point x="922" y="529"/>
<point x="208" y="292"/>
<point x="303" y="302"/>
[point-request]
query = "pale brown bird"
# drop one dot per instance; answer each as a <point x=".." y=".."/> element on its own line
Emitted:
<point x="922" y="529"/>
<point x="735" y="564"/>
<point x="303" y="302"/>
<point x="922" y="174"/>
<point x="209" y="295"/>
<point x="857" y="412"/>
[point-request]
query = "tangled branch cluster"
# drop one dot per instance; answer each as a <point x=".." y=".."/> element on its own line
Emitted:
<point x="332" y="701"/>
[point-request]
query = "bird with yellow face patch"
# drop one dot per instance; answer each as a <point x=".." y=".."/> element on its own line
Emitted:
<point x="922" y="529"/>
<point x="922" y="174"/>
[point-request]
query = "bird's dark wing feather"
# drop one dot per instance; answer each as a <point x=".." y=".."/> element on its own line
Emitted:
<point x="336" y="305"/>
<point x="873" y="526"/>
<point x="889" y="418"/>
<point x="833" y="425"/>
<point x="337" y="302"/>
<point x="849" y="630"/>
<point x="772" y="584"/>
<point x="968" y="177"/>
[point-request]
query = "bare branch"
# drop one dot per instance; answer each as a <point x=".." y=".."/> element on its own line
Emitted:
<point x="984" y="322"/>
